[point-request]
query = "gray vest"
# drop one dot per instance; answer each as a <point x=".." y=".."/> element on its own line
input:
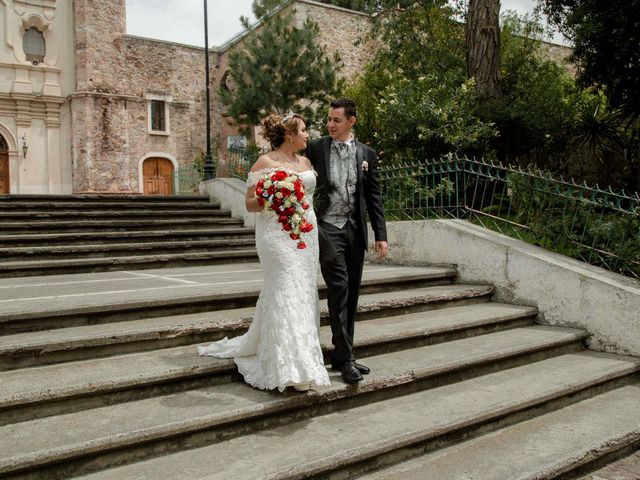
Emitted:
<point x="343" y="175"/>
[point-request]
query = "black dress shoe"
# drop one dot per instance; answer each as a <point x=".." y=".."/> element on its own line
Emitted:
<point x="363" y="369"/>
<point x="350" y="373"/>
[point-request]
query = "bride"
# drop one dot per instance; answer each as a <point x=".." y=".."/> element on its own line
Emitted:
<point x="281" y="347"/>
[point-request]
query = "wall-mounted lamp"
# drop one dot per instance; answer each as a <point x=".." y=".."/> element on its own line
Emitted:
<point x="25" y="147"/>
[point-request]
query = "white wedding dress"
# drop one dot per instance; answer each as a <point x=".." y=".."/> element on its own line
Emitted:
<point x="281" y="347"/>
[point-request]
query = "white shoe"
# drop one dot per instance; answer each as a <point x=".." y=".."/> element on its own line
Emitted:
<point x="301" y="387"/>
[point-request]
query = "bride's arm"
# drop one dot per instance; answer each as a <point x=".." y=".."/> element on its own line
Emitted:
<point x="250" y="201"/>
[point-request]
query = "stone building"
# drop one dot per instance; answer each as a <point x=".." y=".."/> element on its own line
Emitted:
<point x="84" y="107"/>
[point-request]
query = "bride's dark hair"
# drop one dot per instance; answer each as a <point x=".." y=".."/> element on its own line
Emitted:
<point x="275" y="126"/>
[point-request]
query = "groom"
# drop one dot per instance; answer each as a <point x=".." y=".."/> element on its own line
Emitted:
<point x="347" y="190"/>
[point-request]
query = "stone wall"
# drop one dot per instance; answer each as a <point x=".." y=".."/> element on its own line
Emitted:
<point x="116" y="75"/>
<point x="340" y="29"/>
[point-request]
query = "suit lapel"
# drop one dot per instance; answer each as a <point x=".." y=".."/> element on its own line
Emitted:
<point x="326" y="155"/>
<point x="359" y="159"/>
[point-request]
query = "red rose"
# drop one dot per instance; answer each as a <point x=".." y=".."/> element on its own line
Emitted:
<point x="289" y="211"/>
<point x="280" y="175"/>
<point x="306" y="227"/>
<point x="283" y="219"/>
<point x="271" y="190"/>
<point x="294" y="236"/>
<point x="261" y="201"/>
<point x="302" y="245"/>
<point x="260" y="183"/>
<point x="285" y="192"/>
<point x="305" y="206"/>
<point x="286" y="227"/>
<point x="259" y="191"/>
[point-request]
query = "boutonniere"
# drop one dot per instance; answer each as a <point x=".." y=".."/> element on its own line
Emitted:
<point x="365" y="166"/>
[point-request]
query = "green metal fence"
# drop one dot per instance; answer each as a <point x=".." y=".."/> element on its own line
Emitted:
<point x="238" y="162"/>
<point x="601" y="227"/>
<point x="187" y="180"/>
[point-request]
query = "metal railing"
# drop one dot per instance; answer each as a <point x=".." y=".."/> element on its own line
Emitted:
<point x="601" y="227"/>
<point x="187" y="180"/>
<point x="238" y="162"/>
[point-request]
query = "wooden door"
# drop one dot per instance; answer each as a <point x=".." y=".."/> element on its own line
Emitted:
<point x="4" y="173"/>
<point x="158" y="176"/>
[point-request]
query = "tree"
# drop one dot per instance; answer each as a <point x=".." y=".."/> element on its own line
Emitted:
<point x="260" y="8"/>
<point x="482" y="32"/>
<point x="413" y="100"/>
<point x="606" y="41"/>
<point x="279" y="67"/>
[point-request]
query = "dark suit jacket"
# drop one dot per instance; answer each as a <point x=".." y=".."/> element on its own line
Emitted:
<point x="367" y="186"/>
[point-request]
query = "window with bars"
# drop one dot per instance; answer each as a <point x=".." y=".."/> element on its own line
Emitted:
<point x="34" y="45"/>
<point x="158" y="117"/>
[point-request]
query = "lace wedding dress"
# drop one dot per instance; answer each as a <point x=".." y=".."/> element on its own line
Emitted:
<point x="281" y="347"/>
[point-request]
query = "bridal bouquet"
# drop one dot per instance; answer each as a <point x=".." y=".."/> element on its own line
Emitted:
<point x="283" y="194"/>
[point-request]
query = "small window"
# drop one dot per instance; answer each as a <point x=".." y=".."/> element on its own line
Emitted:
<point x="158" y="122"/>
<point x="236" y="142"/>
<point x="34" y="45"/>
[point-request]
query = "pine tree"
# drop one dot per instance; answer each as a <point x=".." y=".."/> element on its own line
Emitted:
<point x="280" y="67"/>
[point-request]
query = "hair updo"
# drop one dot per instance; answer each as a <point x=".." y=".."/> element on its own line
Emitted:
<point x="275" y="126"/>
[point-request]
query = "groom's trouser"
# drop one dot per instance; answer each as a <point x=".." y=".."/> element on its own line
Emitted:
<point x="341" y="260"/>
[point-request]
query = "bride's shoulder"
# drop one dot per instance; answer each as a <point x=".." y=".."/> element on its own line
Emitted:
<point x="264" y="162"/>
<point x="306" y="162"/>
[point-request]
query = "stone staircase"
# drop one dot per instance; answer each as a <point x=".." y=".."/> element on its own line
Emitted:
<point x="100" y="379"/>
<point x="46" y="235"/>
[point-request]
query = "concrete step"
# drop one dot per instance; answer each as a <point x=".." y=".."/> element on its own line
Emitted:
<point x="113" y="236"/>
<point x="352" y="439"/>
<point x="195" y="213"/>
<point x="102" y="199"/>
<point x="54" y="205"/>
<point x="19" y="227"/>
<point x="564" y="442"/>
<point x="43" y="391"/>
<point x="124" y="262"/>
<point x="183" y="414"/>
<point x="40" y="303"/>
<point x="16" y="254"/>
<point x="394" y="333"/>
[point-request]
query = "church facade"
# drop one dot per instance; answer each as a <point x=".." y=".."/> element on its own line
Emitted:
<point x="86" y="108"/>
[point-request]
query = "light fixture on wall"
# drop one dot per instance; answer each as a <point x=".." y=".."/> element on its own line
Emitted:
<point x="25" y="147"/>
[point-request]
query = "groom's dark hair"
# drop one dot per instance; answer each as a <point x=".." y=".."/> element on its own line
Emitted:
<point x="348" y="105"/>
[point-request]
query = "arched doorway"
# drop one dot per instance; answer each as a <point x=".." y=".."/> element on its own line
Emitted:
<point x="4" y="166"/>
<point x="157" y="176"/>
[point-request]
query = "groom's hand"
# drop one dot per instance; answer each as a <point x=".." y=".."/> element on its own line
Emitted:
<point x="381" y="248"/>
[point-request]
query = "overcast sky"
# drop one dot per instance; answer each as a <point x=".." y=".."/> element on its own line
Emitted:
<point x="182" y="21"/>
